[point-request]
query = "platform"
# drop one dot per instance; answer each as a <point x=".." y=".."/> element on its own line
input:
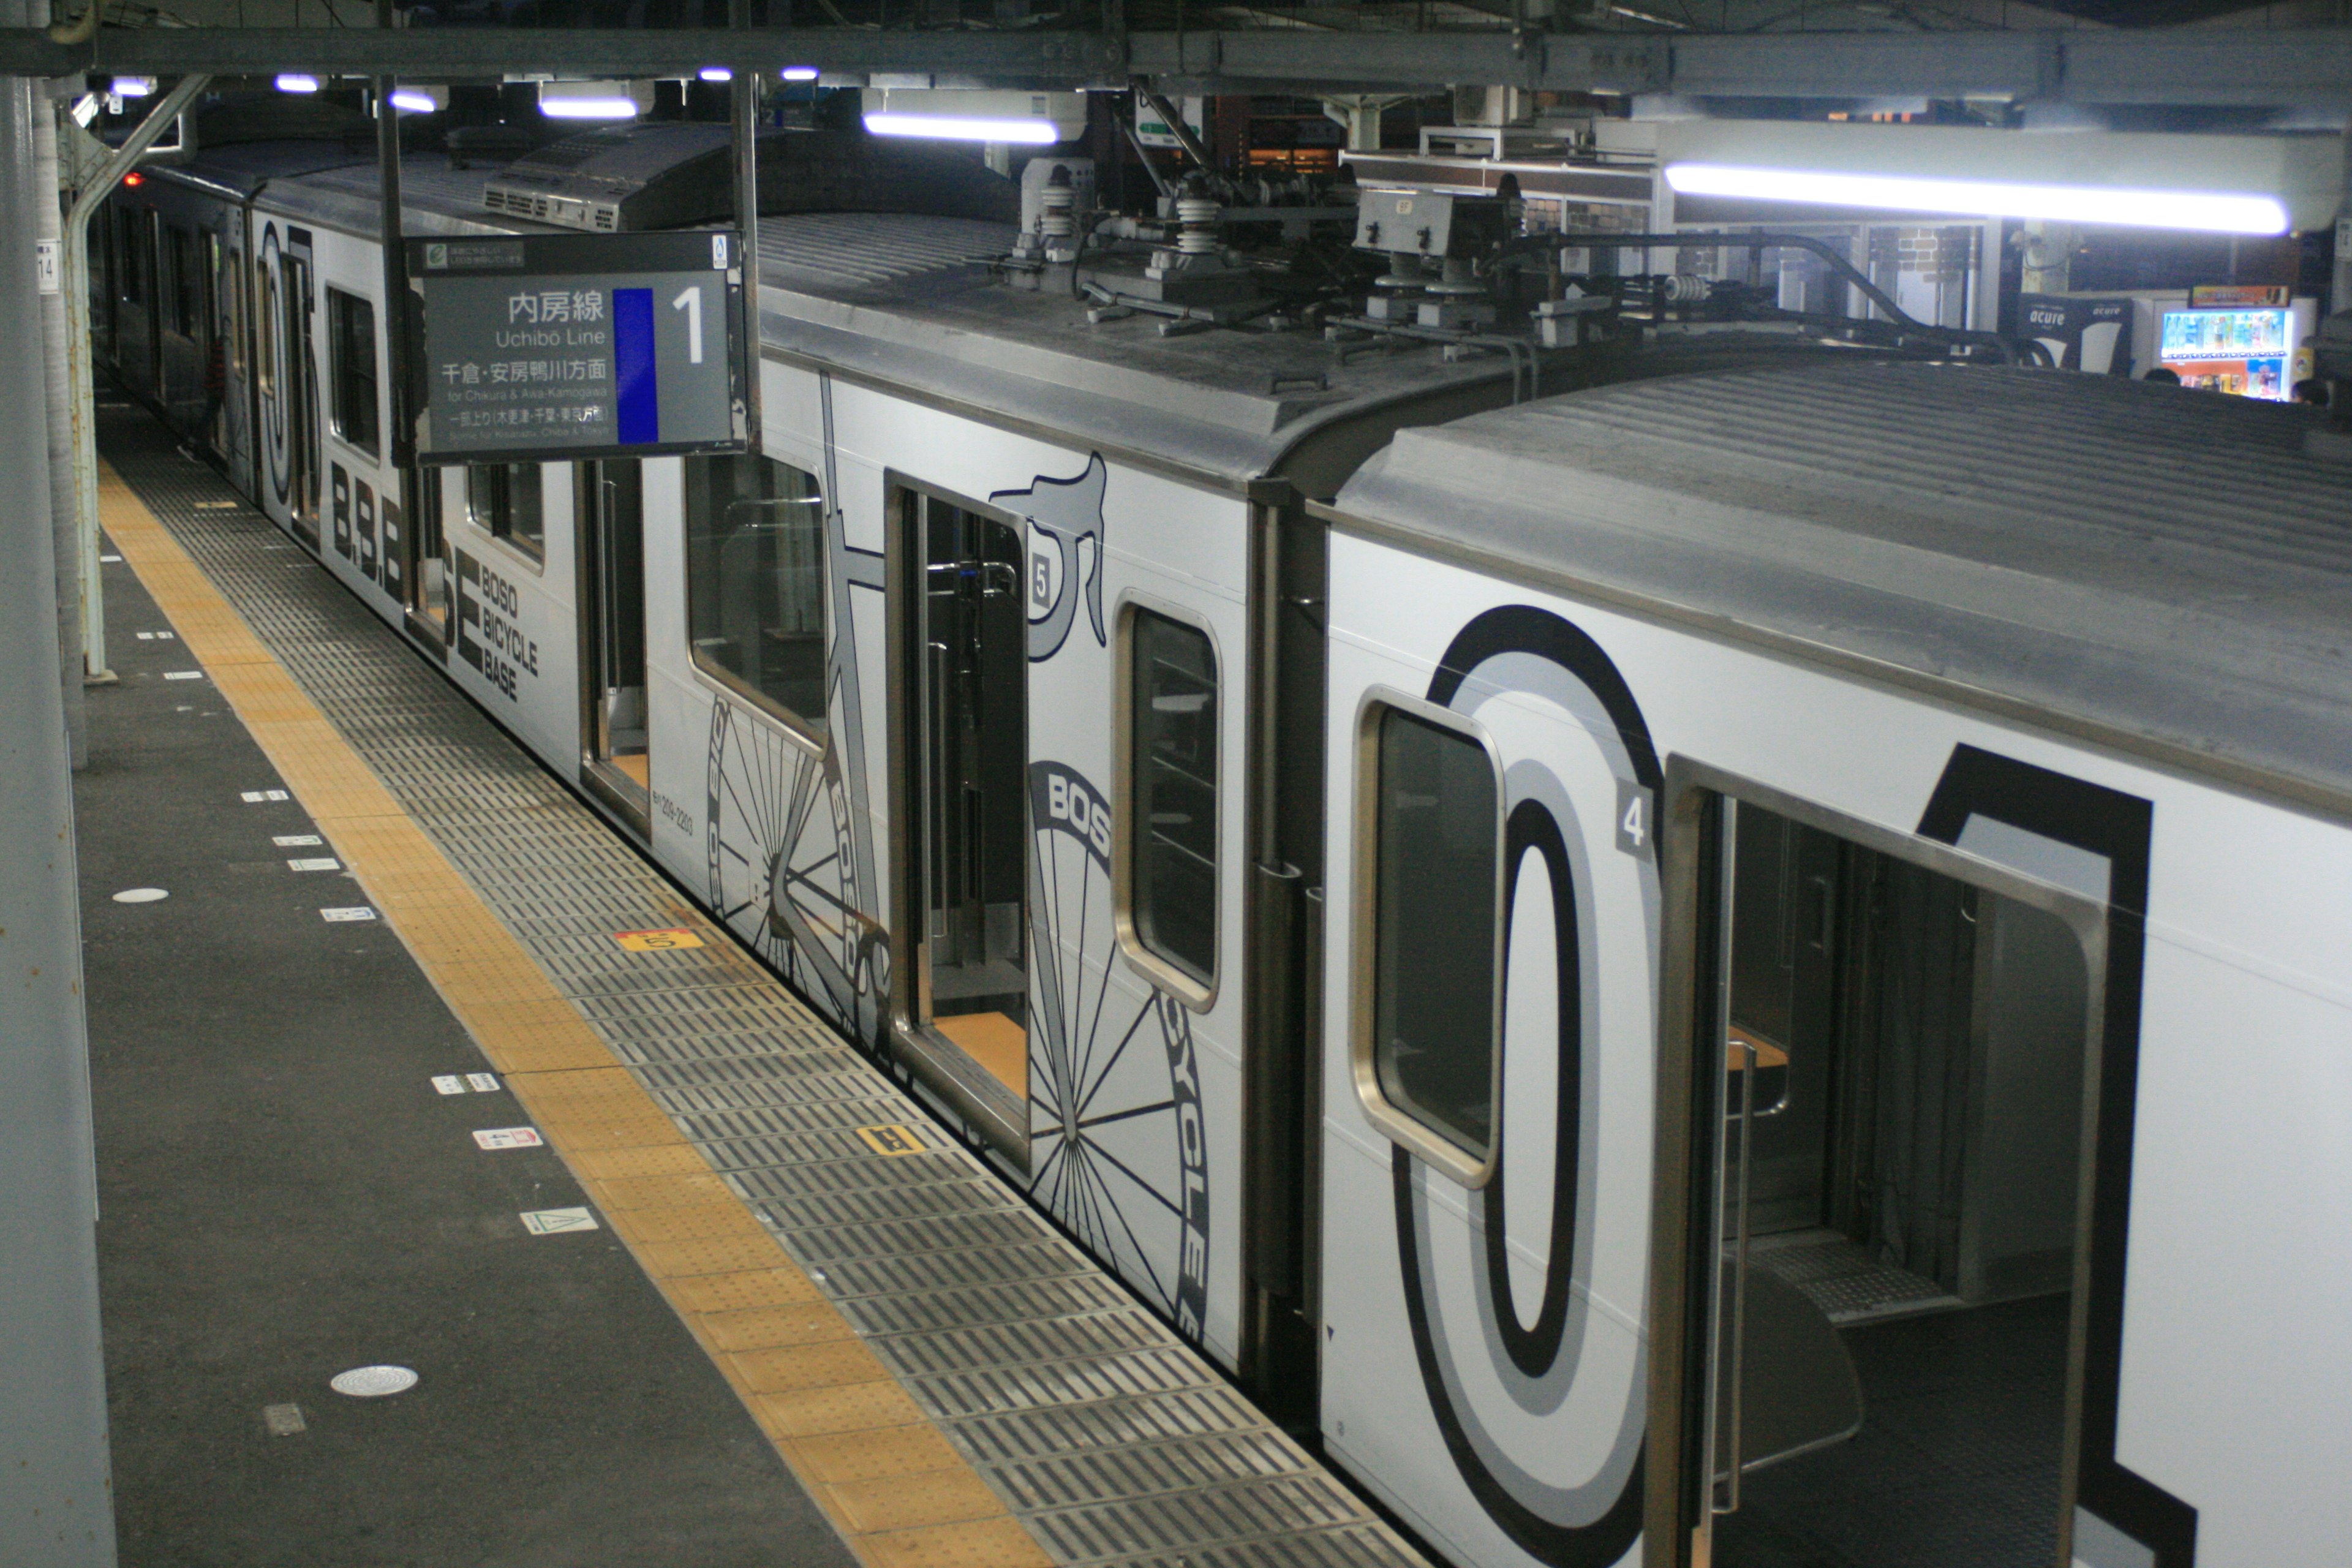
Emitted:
<point x="812" y="1272"/>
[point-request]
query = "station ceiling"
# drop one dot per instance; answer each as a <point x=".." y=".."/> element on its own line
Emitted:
<point x="2180" y="53"/>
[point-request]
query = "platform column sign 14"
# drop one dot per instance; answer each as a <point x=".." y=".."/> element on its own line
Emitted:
<point x="546" y="348"/>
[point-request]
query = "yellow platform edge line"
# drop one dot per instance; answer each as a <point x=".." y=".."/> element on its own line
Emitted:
<point x="888" y="1479"/>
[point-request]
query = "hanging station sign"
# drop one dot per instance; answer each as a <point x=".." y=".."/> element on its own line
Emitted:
<point x="546" y="348"/>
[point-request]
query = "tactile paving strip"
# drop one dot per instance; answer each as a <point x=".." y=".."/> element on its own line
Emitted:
<point x="1110" y="1440"/>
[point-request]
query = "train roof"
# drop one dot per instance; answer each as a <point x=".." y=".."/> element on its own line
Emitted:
<point x="913" y="302"/>
<point x="240" y="169"/>
<point x="876" y="261"/>
<point x="2164" y="569"/>
<point x="436" y="197"/>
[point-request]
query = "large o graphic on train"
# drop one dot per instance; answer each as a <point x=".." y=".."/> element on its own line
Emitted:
<point x="274" y="411"/>
<point x="1540" y="1393"/>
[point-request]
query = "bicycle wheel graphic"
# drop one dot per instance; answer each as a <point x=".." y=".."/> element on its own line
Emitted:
<point x="1118" y="1149"/>
<point x="783" y="871"/>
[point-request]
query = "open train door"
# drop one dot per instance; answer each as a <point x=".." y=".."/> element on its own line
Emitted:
<point x="964" y="713"/>
<point x="615" y="755"/>
<point x="1879" y="1055"/>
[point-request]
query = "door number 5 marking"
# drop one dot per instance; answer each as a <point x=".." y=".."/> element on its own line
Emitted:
<point x="690" y="301"/>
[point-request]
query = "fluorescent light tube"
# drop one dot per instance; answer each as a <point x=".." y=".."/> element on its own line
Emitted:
<point x="133" y="86"/>
<point x="589" y="109"/>
<point x="715" y="73"/>
<point x="799" y="73"/>
<point x="595" y="99"/>
<point x="1036" y="132"/>
<point x="417" y="100"/>
<point x="297" y="81"/>
<point x="2203" y="211"/>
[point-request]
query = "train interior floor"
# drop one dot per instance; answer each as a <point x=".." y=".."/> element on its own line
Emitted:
<point x="684" y="1278"/>
<point x="1957" y="1462"/>
<point x="284" y="1196"/>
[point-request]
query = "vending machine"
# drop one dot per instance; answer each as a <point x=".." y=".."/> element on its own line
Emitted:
<point x="2249" y="341"/>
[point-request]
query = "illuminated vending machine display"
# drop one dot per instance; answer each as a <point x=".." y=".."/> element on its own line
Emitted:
<point x="2245" y="348"/>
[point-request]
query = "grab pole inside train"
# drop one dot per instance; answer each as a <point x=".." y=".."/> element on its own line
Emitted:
<point x="56" y="1493"/>
<point x="87" y="201"/>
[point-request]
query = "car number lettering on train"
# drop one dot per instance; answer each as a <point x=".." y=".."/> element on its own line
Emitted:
<point x="487" y="635"/>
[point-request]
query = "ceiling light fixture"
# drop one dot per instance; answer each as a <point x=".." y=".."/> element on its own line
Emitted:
<point x="715" y="73"/>
<point x="1033" y="132"/>
<point x="2205" y="211"/>
<point x="595" y="99"/>
<point x="133" y="87"/>
<point x="799" y="73"/>
<point x="420" y="99"/>
<point x="974" y="114"/>
<point x="297" y="81"/>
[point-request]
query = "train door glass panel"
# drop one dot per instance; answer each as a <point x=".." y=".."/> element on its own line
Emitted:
<point x="611" y="514"/>
<point x="756" y="583"/>
<point x="300" y="388"/>
<point x="1430" y="851"/>
<point x="971" y="743"/>
<point x="103" y="270"/>
<point x="503" y="499"/>
<point x="1165" y="878"/>
<point x="187" y="283"/>
<point x="429" y="572"/>
<point x="154" y="290"/>
<point x="350" y="359"/>
<point x="130" y="224"/>
<point x="1900" y="1094"/>
<point x="212" y="339"/>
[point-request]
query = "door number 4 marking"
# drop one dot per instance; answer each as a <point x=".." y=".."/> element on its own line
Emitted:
<point x="1636" y="814"/>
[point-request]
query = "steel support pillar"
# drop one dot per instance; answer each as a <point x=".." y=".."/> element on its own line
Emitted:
<point x="56" y="1507"/>
<point x="50" y="234"/>
<point x="85" y="389"/>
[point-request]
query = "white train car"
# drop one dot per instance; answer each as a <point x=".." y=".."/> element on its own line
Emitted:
<point x="1730" y="969"/>
<point x="1967" y="750"/>
<point x="871" y="694"/>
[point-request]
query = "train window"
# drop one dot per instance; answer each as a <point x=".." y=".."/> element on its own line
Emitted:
<point x="351" y="347"/>
<point x="756" y="583"/>
<point x="1166" y="877"/>
<point x="503" y="501"/>
<point x="1430" y="929"/>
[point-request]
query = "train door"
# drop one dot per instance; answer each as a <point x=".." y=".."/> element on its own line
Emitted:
<point x="157" y="291"/>
<point x="615" y="756"/>
<point x="212" y="342"/>
<point x="289" y="380"/>
<point x="428" y="572"/>
<point x="1882" y="1093"/>
<point x="133" y="313"/>
<point x="104" y="270"/>
<point x="967" y="729"/>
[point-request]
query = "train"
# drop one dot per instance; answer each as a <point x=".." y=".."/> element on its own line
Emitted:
<point x="1685" y="941"/>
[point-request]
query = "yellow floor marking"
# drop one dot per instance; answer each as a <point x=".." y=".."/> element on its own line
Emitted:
<point x="656" y="941"/>
<point x="893" y="1139"/>
<point x="888" y="1480"/>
